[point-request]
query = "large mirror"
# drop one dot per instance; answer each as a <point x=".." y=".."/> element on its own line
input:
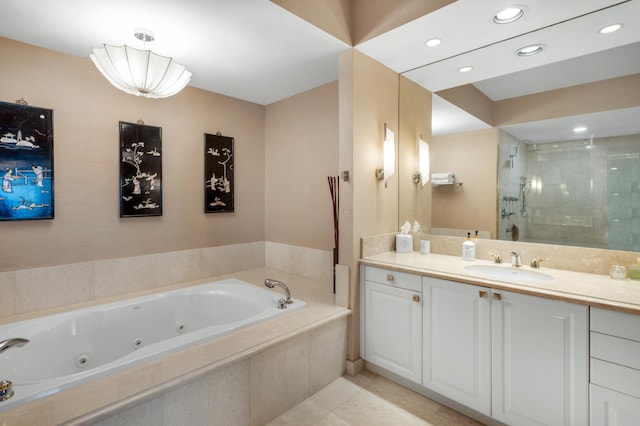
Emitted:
<point x="522" y="172"/>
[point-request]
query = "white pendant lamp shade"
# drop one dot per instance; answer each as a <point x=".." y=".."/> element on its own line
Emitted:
<point x="140" y="72"/>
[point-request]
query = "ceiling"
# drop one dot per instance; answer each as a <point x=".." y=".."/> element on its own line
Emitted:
<point x="252" y="50"/>
<point x="575" y="53"/>
<point x="257" y="51"/>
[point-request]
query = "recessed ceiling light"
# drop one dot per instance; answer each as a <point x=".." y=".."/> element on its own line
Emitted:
<point x="580" y="129"/>
<point x="533" y="49"/>
<point x="509" y="14"/>
<point x="465" y="69"/>
<point x="610" y="28"/>
<point x="433" y="42"/>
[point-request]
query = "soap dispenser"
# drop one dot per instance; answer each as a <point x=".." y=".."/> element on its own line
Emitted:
<point x="468" y="248"/>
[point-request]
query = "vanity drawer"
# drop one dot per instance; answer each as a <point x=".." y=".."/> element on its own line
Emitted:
<point x="616" y="377"/>
<point x="615" y="323"/>
<point x="614" y="349"/>
<point x="393" y="278"/>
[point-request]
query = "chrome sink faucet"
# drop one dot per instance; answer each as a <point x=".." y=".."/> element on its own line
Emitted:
<point x="6" y="390"/>
<point x="516" y="261"/>
<point x="535" y="263"/>
<point x="282" y="303"/>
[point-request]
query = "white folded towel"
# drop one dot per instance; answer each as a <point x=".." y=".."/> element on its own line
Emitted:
<point x="440" y="176"/>
<point x="442" y="181"/>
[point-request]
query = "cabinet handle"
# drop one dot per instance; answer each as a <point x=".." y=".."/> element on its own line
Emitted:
<point x="482" y="293"/>
<point x="497" y="296"/>
<point x="390" y="277"/>
<point x="416" y="298"/>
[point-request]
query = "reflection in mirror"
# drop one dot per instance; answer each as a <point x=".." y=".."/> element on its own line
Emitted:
<point x="575" y="179"/>
<point x="551" y="185"/>
<point x="576" y="192"/>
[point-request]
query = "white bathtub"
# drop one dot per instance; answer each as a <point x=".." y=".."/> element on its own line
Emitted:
<point x="67" y="349"/>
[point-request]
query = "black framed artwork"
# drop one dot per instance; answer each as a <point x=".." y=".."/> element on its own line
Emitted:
<point x="218" y="173"/>
<point x="140" y="170"/>
<point x="26" y="162"/>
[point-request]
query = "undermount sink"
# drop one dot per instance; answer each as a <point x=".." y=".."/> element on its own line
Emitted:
<point x="506" y="273"/>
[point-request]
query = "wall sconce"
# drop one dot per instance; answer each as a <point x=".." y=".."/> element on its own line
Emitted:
<point x="423" y="162"/>
<point x="388" y="157"/>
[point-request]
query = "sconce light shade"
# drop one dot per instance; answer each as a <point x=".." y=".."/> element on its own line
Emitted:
<point x="389" y="154"/>
<point x="140" y="72"/>
<point x="388" y="157"/>
<point x="423" y="160"/>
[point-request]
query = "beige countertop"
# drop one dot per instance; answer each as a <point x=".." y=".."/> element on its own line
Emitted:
<point x="94" y="400"/>
<point x="577" y="287"/>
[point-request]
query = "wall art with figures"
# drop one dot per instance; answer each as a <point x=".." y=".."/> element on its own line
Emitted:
<point x="26" y="162"/>
<point x="218" y="173"/>
<point x="140" y="170"/>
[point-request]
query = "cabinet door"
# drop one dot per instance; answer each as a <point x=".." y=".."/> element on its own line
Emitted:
<point x="393" y="329"/>
<point x="540" y="357"/>
<point x="456" y="347"/>
<point x="611" y="408"/>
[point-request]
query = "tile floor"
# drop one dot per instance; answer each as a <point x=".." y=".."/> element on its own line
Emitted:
<point x="369" y="400"/>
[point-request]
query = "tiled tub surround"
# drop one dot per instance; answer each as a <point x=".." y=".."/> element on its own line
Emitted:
<point x="31" y="290"/>
<point x="248" y="377"/>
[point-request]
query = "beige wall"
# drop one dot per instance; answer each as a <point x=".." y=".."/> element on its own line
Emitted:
<point x="368" y="100"/>
<point x="414" y="199"/>
<point x="473" y="157"/>
<point x="616" y="93"/>
<point x="301" y="152"/>
<point x="468" y="98"/>
<point x="86" y="111"/>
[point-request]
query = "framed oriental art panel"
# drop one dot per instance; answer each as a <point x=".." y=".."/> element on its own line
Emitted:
<point x="140" y="170"/>
<point x="218" y="173"/>
<point x="26" y="162"/>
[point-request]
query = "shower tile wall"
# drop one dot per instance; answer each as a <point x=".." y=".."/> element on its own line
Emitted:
<point x="580" y="193"/>
<point x="560" y="200"/>
<point x="512" y="161"/>
<point x="623" y="193"/>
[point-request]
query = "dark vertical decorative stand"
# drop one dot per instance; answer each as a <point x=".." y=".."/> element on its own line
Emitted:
<point x="334" y="188"/>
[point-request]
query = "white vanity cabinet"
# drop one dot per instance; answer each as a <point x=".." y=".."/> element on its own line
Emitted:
<point x="393" y="321"/>
<point x="520" y="359"/>
<point x="539" y="360"/>
<point x="615" y="368"/>
<point x="457" y="342"/>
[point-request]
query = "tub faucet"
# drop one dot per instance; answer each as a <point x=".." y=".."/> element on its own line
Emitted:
<point x="6" y="390"/>
<point x="283" y="302"/>
<point x="516" y="261"/>
<point x="9" y="343"/>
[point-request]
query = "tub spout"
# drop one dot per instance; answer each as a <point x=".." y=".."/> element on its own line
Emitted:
<point x="272" y="283"/>
<point x="6" y="391"/>
<point x="9" y="343"/>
